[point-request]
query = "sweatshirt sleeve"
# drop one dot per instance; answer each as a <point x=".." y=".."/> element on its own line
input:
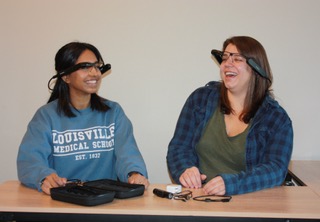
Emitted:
<point x="127" y="154"/>
<point x="34" y="153"/>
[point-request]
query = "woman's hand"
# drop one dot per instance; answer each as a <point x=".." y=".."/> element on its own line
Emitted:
<point x="215" y="186"/>
<point x="137" y="178"/>
<point x="53" y="180"/>
<point x="191" y="178"/>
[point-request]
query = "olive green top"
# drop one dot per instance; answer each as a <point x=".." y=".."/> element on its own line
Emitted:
<point x="218" y="153"/>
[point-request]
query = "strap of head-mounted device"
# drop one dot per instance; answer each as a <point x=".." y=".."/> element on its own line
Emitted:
<point x="250" y="61"/>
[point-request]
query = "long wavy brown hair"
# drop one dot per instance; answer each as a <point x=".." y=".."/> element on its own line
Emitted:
<point x="259" y="87"/>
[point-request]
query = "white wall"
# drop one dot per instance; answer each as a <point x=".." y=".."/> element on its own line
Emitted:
<point x="160" y="52"/>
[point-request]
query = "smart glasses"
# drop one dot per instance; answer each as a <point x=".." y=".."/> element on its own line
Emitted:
<point x="85" y="66"/>
<point x="237" y="58"/>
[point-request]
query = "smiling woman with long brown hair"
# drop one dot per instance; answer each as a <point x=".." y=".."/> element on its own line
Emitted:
<point x="232" y="136"/>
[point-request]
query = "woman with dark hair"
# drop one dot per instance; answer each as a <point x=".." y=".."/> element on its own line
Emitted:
<point x="66" y="58"/>
<point x="232" y="137"/>
<point x="78" y="134"/>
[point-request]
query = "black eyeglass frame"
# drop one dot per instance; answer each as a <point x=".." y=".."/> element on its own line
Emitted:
<point x="206" y="198"/>
<point x="217" y="54"/>
<point x="183" y="195"/>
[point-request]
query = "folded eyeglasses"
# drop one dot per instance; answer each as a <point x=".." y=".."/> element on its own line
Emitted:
<point x="213" y="198"/>
<point x="187" y="195"/>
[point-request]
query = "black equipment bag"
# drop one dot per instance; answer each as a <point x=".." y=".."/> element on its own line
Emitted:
<point x="122" y="190"/>
<point x="96" y="192"/>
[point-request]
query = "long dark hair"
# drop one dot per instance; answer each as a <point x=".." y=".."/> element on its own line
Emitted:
<point x="259" y="87"/>
<point x="65" y="58"/>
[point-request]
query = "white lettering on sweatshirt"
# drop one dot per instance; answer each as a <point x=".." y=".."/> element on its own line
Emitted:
<point x="95" y="139"/>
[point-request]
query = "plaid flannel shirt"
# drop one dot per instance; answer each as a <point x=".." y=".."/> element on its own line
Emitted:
<point x="269" y="142"/>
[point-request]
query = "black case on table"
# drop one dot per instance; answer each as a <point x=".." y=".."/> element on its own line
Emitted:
<point x="96" y="192"/>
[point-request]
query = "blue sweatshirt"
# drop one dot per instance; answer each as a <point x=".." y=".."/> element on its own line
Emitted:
<point x="269" y="142"/>
<point x="93" y="145"/>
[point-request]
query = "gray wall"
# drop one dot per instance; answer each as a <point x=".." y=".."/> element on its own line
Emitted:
<point x="160" y="52"/>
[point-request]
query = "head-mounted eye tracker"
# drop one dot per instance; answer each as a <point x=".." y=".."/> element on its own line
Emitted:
<point x="103" y="68"/>
<point x="83" y="65"/>
<point x="250" y="61"/>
